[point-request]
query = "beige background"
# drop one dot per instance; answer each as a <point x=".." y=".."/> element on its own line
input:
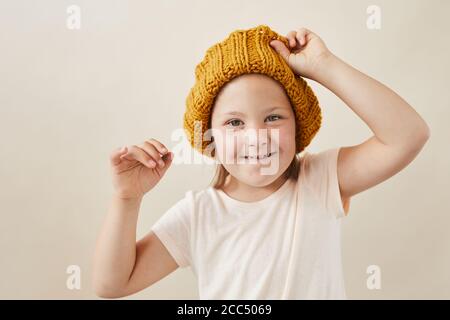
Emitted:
<point x="68" y="97"/>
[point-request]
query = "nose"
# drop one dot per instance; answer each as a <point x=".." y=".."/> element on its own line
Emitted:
<point x="255" y="136"/>
<point x="256" y="140"/>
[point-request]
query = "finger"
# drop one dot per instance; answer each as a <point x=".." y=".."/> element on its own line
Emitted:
<point x="136" y="153"/>
<point x="115" y="155"/>
<point x="281" y="49"/>
<point x="168" y="158"/>
<point x="151" y="150"/>
<point x="161" y="148"/>
<point x="291" y="38"/>
<point x="301" y="35"/>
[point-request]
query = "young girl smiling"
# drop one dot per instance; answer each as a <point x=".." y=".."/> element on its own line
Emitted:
<point x="252" y="235"/>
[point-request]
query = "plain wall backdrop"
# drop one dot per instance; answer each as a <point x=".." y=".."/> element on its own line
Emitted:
<point x="69" y="97"/>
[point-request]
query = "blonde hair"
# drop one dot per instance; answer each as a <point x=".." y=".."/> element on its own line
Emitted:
<point x="221" y="173"/>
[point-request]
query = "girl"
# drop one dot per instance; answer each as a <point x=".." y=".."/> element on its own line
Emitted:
<point x="257" y="234"/>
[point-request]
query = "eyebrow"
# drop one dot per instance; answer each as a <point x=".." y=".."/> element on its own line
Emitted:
<point x="237" y="113"/>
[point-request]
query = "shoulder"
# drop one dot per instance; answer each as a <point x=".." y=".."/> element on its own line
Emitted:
<point x="193" y="199"/>
<point x="319" y="171"/>
<point x="315" y="164"/>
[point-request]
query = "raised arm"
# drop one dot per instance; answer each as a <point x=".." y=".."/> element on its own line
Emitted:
<point x="399" y="131"/>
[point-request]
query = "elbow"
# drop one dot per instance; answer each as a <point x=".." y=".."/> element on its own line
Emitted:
<point x="418" y="138"/>
<point x="423" y="134"/>
<point x="427" y="132"/>
<point x="106" y="289"/>
<point x="107" y="292"/>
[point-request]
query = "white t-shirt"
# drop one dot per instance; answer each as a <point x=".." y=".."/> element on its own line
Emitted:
<point x="285" y="246"/>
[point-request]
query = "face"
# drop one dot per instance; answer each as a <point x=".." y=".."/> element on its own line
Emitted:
<point x="253" y="126"/>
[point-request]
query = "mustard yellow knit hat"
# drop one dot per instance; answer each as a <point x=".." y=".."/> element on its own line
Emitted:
<point x="248" y="51"/>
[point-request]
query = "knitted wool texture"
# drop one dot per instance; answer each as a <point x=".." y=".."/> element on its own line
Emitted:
<point x="247" y="51"/>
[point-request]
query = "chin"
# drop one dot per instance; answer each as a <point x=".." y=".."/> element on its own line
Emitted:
<point x="258" y="180"/>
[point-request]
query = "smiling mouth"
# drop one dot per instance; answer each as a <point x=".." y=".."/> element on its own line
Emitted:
<point x="260" y="157"/>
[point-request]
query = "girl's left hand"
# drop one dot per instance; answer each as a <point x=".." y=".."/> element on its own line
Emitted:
<point x="306" y="54"/>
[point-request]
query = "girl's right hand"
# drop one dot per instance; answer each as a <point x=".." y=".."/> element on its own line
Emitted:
<point x="137" y="169"/>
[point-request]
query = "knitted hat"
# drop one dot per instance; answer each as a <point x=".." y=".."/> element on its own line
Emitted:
<point x="248" y="51"/>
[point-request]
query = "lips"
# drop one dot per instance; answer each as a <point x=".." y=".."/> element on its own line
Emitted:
<point x="259" y="157"/>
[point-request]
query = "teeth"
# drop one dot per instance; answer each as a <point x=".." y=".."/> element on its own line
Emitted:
<point x="265" y="156"/>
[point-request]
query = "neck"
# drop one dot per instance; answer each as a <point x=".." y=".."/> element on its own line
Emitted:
<point x="247" y="193"/>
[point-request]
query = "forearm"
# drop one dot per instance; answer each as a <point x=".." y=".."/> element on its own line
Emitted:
<point x="392" y="120"/>
<point x="115" y="251"/>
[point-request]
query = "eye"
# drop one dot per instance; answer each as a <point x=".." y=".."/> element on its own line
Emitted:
<point x="233" y="121"/>
<point x="272" y="116"/>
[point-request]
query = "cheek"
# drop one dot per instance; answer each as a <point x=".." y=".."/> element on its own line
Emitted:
<point x="225" y="145"/>
<point x="287" y="138"/>
<point x="283" y="137"/>
<point x="230" y="148"/>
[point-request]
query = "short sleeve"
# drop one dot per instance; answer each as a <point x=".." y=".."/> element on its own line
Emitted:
<point x="174" y="230"/>
<point x="322" y="176"/>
